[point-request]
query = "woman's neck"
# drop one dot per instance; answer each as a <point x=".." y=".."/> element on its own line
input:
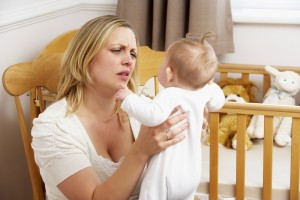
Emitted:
<point x="98" y="105"/>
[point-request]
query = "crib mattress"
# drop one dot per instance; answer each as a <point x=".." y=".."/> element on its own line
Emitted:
<point x="254" y="171"/>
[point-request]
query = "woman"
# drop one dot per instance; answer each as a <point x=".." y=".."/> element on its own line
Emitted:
<point x="84" y="145"/>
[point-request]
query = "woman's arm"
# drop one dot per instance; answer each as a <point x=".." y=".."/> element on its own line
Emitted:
<point x="86" y="185"/>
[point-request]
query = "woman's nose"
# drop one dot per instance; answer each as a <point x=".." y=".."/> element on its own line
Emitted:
<point x="128" y="59"/>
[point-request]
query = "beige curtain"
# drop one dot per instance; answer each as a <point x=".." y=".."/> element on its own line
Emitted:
<point x="160" y="22"/>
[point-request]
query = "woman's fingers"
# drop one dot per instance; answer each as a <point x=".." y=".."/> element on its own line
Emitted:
<point x="168" y="134"/>
<point x="176" y="117"/>
<point x="175" y="135"/>
<point x="155" y="139"/>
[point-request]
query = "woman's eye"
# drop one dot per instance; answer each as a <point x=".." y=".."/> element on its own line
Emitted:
<point x="133" y="55"/>
<point x="116" y="50"/>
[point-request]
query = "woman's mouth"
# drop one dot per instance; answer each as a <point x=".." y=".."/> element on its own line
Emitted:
<point x="124" y="75"/>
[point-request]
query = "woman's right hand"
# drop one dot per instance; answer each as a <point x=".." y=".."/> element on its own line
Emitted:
<point x="152" y="140"/>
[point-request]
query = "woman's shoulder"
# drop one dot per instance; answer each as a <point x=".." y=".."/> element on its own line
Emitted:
<point x="55" y="110"/>
<point x="56" y="113"/>
<point x="55" y="119"/>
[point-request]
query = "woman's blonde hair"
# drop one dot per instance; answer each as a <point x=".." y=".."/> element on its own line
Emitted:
<point x="193" y="59"/>
<point x="75" y="70"/>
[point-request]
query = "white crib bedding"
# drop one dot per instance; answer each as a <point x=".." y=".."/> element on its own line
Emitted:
<point x="254" y="171"/>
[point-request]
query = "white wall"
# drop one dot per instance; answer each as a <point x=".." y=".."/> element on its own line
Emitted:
<point x="273" y="44"/>
<point x="24" y="33"/>
<point x="7" y="6"/>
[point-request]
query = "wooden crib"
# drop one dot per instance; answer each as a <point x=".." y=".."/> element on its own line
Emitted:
<point x="211" y="185"/>
<point x="242" y="110"/>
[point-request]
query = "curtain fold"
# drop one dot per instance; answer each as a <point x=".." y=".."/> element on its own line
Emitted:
<point x="161" y="22"/>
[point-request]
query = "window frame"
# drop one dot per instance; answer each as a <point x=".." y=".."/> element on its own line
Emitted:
<point x="266" y="11"/>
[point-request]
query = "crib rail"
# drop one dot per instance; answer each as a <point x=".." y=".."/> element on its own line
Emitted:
<point x="247" y="70"/>
<point x="269" y="111"/>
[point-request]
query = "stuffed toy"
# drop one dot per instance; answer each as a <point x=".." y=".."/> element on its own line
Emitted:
<point x="284" y="86"/>
<point x="235" y="90"/>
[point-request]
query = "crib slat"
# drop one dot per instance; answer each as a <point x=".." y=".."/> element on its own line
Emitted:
<point x="295" y="152"/>
<point x="245" y="76"/>
<point x="214" y="157"/>
<point x="240" y="157"/>
<point x="268" y="158"/>
<point x="223" y="75"/>
<point x="266" y="83"/>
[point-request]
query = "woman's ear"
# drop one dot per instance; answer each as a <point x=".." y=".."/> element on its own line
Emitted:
<point x="170" y="74"/>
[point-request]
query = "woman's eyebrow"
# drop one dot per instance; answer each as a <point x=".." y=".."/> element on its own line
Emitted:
<point x="124" y="47"/>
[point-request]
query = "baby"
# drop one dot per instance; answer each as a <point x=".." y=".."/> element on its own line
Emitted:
<point x="187" y="77"/>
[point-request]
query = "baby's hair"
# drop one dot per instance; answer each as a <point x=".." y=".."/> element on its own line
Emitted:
<point x="193" y="59"/>
<point x="208" y="36"/>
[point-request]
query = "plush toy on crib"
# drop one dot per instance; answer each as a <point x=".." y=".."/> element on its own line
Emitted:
<point x="284" y="86"/>
<point x="240" y="91"/>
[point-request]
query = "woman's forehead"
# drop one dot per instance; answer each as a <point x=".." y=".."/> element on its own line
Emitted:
<point x="122" y="36"/>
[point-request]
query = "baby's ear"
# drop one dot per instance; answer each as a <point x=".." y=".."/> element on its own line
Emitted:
<point x="169" y="74"/>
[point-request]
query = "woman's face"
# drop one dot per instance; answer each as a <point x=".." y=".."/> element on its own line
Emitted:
<point x="113" y="65"/>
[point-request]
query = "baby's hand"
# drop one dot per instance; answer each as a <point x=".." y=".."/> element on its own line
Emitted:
<point x="123" y="93"/>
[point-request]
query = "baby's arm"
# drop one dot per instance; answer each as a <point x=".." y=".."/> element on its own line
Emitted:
<point x="149" y="112"/>
<point x="123" y="93"/>
<point x="217" y="100"/>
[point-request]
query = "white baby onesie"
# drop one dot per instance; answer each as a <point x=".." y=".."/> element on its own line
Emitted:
<point x="175" y="173"/>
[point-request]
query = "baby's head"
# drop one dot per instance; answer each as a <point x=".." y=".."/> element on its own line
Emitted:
<point x="190" y="63"/>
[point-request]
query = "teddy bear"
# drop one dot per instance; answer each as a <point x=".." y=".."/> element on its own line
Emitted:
<point x="235" y="90"/>
<point x="284" y="86"/>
